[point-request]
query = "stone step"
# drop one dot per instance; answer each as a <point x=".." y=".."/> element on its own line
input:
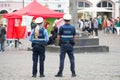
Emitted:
<point x="95" y="48"/>
<point x="81" y="49"/>
<point x="87" y="41"/>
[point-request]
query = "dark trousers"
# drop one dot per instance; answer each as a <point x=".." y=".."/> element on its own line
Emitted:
<point x="66" y="48"/>
<point x="91" y="31"/>
<point x="96" y="31"/>
<point x="51" y="40"/>
<point x="114" y="30"/>
<point x="16" y="43"/>
<point x="100" y="26"/>
<point x="38" y="54"/>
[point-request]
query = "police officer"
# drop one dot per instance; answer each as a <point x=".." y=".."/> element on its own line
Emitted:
<point x="66" y="36"/>
<point x="39" y="37"/>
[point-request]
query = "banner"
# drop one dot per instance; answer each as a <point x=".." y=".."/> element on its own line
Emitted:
<point x="50" y="21"/>
<point x="26" y="21"/>
<point x="19" y="32"/>
<point x="15" y="30"/>
<point x="10" y="29"/>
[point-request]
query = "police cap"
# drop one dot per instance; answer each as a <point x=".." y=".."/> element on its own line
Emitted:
<point x="39" y="20"/>
<point x="67" y="17"/>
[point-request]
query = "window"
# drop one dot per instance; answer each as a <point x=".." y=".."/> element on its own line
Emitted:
<point x="8" y="5"/>
<point x="59" y="5"/>
<point x="1" y="5"/>
<point x="99" y="5"/>
<point x="87" y="5"/>
<point x="83" y="4"/>
<point x="80" y="4"/>
<point x="104" y="4"/>
<point x="59" y="10"/>
<point x="4" y="5"/>
<point x="109" y="5"/>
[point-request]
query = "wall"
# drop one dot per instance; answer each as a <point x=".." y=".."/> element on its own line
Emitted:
<point x="10" y="5"/>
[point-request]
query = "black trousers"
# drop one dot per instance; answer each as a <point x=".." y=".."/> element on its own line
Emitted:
<point x="38" y="55"/>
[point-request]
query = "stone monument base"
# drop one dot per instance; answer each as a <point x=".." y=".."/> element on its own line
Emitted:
<point x="81" y="49"/>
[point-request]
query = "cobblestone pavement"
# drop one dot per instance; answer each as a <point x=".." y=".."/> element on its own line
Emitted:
<point x="16" y="64"/>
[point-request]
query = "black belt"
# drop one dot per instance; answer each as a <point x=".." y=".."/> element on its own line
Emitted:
<point x="65" y="42"/>
<point x="39" y="43"/>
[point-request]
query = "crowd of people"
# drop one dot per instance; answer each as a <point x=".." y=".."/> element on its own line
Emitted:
<point x="108" y="25"/>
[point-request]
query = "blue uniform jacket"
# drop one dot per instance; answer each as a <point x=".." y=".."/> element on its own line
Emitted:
<point x="31" y="38"/>
<point x="68" y="26"/>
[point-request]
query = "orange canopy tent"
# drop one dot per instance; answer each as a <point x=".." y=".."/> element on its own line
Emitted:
<point x="33" y="9"/>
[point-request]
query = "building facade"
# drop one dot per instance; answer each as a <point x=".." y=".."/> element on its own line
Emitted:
<point x="57" y="5"/>
<point x="86" y="8"/>
<point x="10" y="5"/>
<point x="110" y="8"/>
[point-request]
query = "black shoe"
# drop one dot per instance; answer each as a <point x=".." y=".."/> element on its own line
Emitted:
<point x="58" y="75"/>
<point x="34" y="76"/>
<point x="73" y="75"/>
<point x="42" y="75"/>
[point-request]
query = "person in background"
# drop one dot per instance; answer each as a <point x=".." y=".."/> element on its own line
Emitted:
<point x="104" y="25"/>
<point x="87" y="26"/>
<point x="2" y="37"/>
<point x="117" y="24"/>
<point x="95" y="24"/>
<point x="81" y="25"/>
<point x="113" y="28"/>
<point x="99" y="19"/>
<point x="39" y="38"/>
<point x="92" y="27"/>
<point x="33" y="24"/>
<point x="108" y="28"/>
<point x="66" y="39"/>
<point x="53" y="36"/>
